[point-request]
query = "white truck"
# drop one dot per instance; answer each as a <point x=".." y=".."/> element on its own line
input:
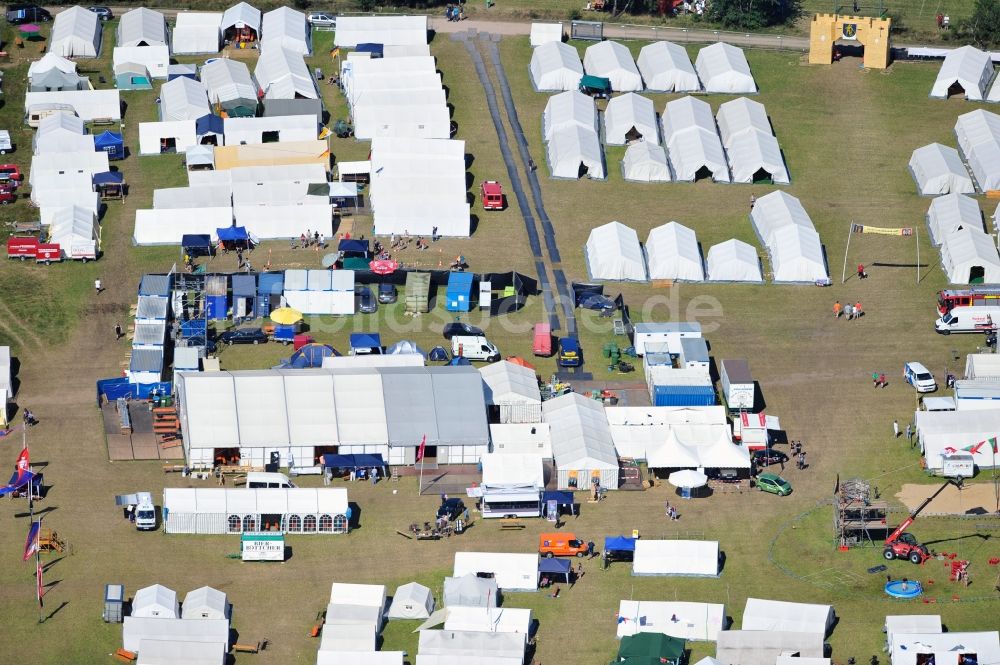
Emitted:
<point x="737" y="385"/>
<point x="139" y="509"/>
<point x="474" y="347"/>
<point x="967" y="319"/>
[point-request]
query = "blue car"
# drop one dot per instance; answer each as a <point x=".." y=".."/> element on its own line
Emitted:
<point x="570" y="353"/>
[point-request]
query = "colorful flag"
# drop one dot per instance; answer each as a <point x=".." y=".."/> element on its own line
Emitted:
<point x="23" y="462"/>
<point x="974" y="448"/>
<point x="993" y="444"/>
<point x="40" y="586"/>
<point x="31" y="544"/>
<point x="422" y="448"/>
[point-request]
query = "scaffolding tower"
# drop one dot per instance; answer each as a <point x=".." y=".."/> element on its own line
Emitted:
<point x="858" y="519"/>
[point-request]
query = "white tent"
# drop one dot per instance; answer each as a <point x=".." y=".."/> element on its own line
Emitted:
<point x="966" y="71"/>
<point x="385" y="30"/>
<point x="645" y="162"/>
<point x="411" y="601"/>
<point x="364" y="595"/>
<point x="555" y="66"/>
<point x="205" y="603"/>
<point x="155" y="601"/>
<point x="763" y="647"/>
<point x="545" y="33"/>
<point x="903" y="624"/>
<point x="687" y="113"/>
<point x="940" y="431"/>
<point x="797" y="255"/>
<point x="672" y="252"/>
<point x="696" y="153"/>
<point x="282" y="74"/>
<point x="155" y="59"/>
<point x="951" y="212"/>
<point x="628" y="118"/>
<point x="197" y="32"/>
<point x="470" y="647"/>
<point x="978" y="135"/>
<point x="613" y="61"/>
<point x="613" y="253"/>
<point x="574" y="152"/>
<point x="733" y="261"/>
<point x="166" y="227"/>
<point x="581" y="442"/>
<point x="241" y="16"/>
<point x="183" y="99"/>
<point x="695" y="445"/>
<point x="778" y="615"/>
<point x="76" y="231"/>
<point x="47" y="169"/>
<point x="349" y="637"/>
<point x="423" y="122"/>
<point x="61" y="132"/>
<point x="173" y="652"/>
<point x="48" y="62"/>
<point x="76" y="33"/>
<point x="470" y="591"/>
<point x="695" y="622"/>
<point x="489" y="620"/>
<point x="723" y="68"/>
<point x="512" y="572"/>
<point x="568" y="109"/>
<point x="229" y="82"/>
<point x="513" y="470"/>
<point x="741" y="115"/>
<point x="156" y="138"/>
<point x="522" y="438"/>
<point x="286" y="28"/>
<point x="513" y="389"/>
<point x="222" y="510"/>
<point x="88" y="104"/>
<point x="775" y="211"/>
<point x="666" y="67"/>
<point x="755" y="157"/>
<point x="142" y="27"/>
<point x="359" y="657"/>
<point x="968" y="255"/>
<point x="938" y="169"/>
<point x="138" y="629"/>
<point x="951" y="648"/>
<point x="636" y="430"/>
<point x="994" y="95"/>
<point x="689" y="558"/>
<point x="266" y="130"/>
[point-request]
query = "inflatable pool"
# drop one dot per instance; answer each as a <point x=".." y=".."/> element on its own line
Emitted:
<point x="901" y="589"/>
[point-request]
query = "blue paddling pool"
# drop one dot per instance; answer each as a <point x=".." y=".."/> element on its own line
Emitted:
<point x="901" y="589"/>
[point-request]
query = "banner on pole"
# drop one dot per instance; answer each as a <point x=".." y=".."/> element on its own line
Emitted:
<point x="881" y="230"/>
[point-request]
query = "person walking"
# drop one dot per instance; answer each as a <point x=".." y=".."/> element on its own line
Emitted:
<point x="836" y="309"/>
<point x="753" y="201"/>
<point x="874" y="379"/>
<point x="857" y="310"/>
<point x="374" y="476"/>
<point x="98" y="287"/>
<point x="909" y="433"/>
<point x="882" y="381"/>
<point x="848" y="312"/>
<point x="895" y="429"/>
<point x="802" y="460"/>
<point x="118" y="331"/>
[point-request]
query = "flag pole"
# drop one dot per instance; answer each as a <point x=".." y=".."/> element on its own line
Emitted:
<point x="38" y="572"/>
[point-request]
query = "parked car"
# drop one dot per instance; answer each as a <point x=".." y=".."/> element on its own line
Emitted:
<point x="451" y="508"/>
<point x="387" y="293"/>
<point x="7" y="194"/>
<point x="10" y="174"/>
<point x="198" y="340"/>
<point x="6" y="145"/>
<point x="598" y="303"/>
<point x="562" y="544"/>
<point x="570" y="353"/>
<point x="243" y="336"/>
<point x="367" y="304"/>
<point x="103" y="13"/>
<point x="458" y="328"/>
<point x="773" y="483"/>
<point x="768" y="456"/>
<point x="919" y="377"/>
<point x="322" y="20"/>
<point x="20" y="14"/>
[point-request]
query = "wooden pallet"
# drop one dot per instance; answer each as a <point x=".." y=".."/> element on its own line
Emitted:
<point x="125" y="656"/>
<point x="254" y="647"/>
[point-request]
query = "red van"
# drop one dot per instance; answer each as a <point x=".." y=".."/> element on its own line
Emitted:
<point x="543" y="340"/>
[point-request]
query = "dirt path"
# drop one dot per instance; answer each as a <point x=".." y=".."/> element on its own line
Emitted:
<point x="973" y="499"/>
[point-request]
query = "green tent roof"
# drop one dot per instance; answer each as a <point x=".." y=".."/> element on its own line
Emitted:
<point x="595" y="82"/>
<point x="651" y="645"/>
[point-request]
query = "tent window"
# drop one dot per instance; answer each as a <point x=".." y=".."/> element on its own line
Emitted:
<point x="294" y="523"/>
<point x="249" y="523"/>
<point x="340" y="523"/>
<point x="234" y="524"/>
<point x="270" y="137"/>
<point x="325" y="523"/>
<point x="309" y="523"/>
<point x="977" y="275"/>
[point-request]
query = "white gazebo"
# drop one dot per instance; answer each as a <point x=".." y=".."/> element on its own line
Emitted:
<point x="672" y="252"/>
<point x="613" y="253"/>
<point x="614" y="62"/>
<point x="645" y="162"/>
<point x="555" y="66"/>
<point x="733" y="261"/>
<point x="666" y="67"/>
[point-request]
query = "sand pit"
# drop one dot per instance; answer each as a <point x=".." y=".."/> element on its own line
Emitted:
<point x="973" y="499"/>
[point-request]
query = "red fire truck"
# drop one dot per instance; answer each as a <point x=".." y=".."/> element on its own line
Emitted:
<point x="29" y="247"/>
<point x="492" y="194"/>
<point x="984" y="296"/>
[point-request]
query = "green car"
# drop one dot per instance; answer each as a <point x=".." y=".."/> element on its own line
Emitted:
<point x="773" y="483"/>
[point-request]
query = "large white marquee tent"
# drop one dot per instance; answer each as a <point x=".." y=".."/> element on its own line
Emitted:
<point x="696" y="622"/>
<point x="197" y="32"/>
<point x="733" y="261"/>
<point x="167" y="227"/>
<point x="645" y="162"/>
<point x="776" y="210"/>
<point x="939" y="431"/>
<point x="183" y="99"/>
<point x="555" y="66"/>
<point x="574" y="152"/>
<point x="666" y="67"/>
<point x="76" y="33"/>
<point x="512" y="572"/>
<point x="385" y="30"/>
<point x="969" y="255"/>
<point x="613" y="253"/>
<point x="286" y="28"/>
<point x="220" y="510"/>
<point x="688" y="558"/>
<point x="630" y="117"/>
<point x="568" y="109"/>
<point x="951" y="212"/>
<point x="614" y="62"/>
<point x="978" y="135"/>
<point x="282" y="74"/>
<point x="937" y="169"/>
<point x="965" y="70"/>
<point x="692" y="141"/>
<point x="88" y="104"/>
<point x="672" y="252"/>
<point x="724" y="69"/>
<point x="777" y="615"/>
<point x="142" y="27"/>
<point x="582" y="445"/>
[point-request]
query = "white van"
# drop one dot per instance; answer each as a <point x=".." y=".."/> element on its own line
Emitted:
<point x="919" y="377"/>
<point x="145" y="512"/>
<point x="967" y="318"/>
<point x="474" y="347"/>
<point x="262" y="480"/>
<point x="38" y="112"/>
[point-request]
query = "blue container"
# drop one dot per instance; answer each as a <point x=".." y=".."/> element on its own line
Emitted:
<point x="683" y="396"/>
<point x="217" y="307"/>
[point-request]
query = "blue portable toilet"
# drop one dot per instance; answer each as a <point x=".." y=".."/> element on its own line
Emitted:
<point x="217" y="297"/>
<point x="111" y="143"/>
<point x="458" y="297"/>
<point x="270" y="286"/>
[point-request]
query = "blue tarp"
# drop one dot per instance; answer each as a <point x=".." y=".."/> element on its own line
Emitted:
<point x="362" y="461"/>
<point x="112" y="389"/>
<point x="365" y="341"/>
<point x="458" y="296"/>
<point x="375" y="49"/>
<point x="209" y="124"/>
<point x="230" y="233"/>
<point x="683" y="396"/>
<point x="109" y="178"/>
<point x="561" y="498"/>
<point x="111" y="143"/>
<point x="619" y="544"/>
<point x="197" y="244"/>
<point x="352" y="247"/>
<point x="244" y="286"/>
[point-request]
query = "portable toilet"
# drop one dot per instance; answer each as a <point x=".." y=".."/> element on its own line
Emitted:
<point x="111" y="143"/>
<point x="270" y="286"/>
<point x="459" y="293"/>
<point x="114" y="603"/>
<point x="216" y="297"/>
<point x="244" y="297"/>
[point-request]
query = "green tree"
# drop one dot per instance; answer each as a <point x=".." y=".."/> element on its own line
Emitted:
<point x="755" y="14"/>
<point x="984" y="25"/>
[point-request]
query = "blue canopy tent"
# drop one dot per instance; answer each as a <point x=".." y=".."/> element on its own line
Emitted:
<point x="111" y="143"/>
<point x="209" y="127"/>
<point x="270" y="286"/>
<point x="351" y="247"/>
<point x="561" y="499"/>
<point x="310" y="355"/>
<point x="366" y="343"/>
<point x="196" y="244"/>
<point x="376" y="50"/>
<point x="360" y="461"/>
<point x="109" y="184"/>
<point x="233" y="237"/>
<point x="439" y="354"/>
<point x="554" y="568"/>
<point x="617" y="548"/>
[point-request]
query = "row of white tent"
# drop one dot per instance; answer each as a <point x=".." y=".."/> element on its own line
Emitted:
<point x="396" y="97"/>
<point x="787" y="232"/>
<point x="968" y="252"/>
<point x="978" y="136"/>
<point x="967" y="71"/>
<point x="938" y="169"/>
<point x="160" y="630"/>
<point x="202" y="32"/>
<point x="660" y="67"/>
<point x="570" y="131"/>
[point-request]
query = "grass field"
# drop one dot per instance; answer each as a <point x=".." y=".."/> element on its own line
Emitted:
<point x="847" y="135"/>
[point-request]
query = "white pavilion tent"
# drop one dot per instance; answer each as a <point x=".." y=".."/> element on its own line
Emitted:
<point x="88" y="104"/>
<point x="776" y="210"/>
<point x="696" y="445"/>
<point x="938" y="431"/>
<point x="967" y="71"/>
<point x="695" y="622"/>
<point x="733" y="261"/>
<point x="512" y="571"/>
<point x="241" y="15"/>
<point x="228" y="82"/>
<point x="574" y="152"/>
<point x="411" y="601"/>
<point x="197" y="32"/>
<point x="777" y="615"/>
<point x="137" y="630"/>
<point x="797" y="255"/>
<point x="167" y="227"/>
<point x="233" y="510"/>
<point x="666" y="67"/>
<point x="741" y="115"/>
<point x="46" y="170"/>
<point x="489" y="620"/>
<point x="724" y="69"/>
<point x="951" y="212"/>
<point x="904" y="624"/>
<point x="183" y="99"/>
<point x="613" y="253"/>
<point x="614" y="62"/>
<point x="628" y="118"/>
<point x="172" y="652"/>
<point x="937" y="169"/>
<point x="765" y="647"/>
<point x="756" y="157"/>
<point x="385" y="30"/>
<point x="349" y="637"/>
<point x="282" y="74"/>
<point x="555" y="66"/>
<point x="205" y="603"/>
<point x="61" y="132"/>
<point x="76" y="33"/>
<point x="48" y="62"/>
<point x="265" y="129"/>
<point x="470" y="647"/>
<point x="582" y="446"/>
<point x="545" y="33"/>
<point x="978" y="135"/>
<point x="568" y="109"/>
<point x="687" y="558"/>
<point x="522" y="437"/>
<point x="142" y="27"/>
<point x="174" y="135"/>
<point x="696" y="153"/>
<point x="672" y="252"/>
<point x="645" y="162"/>
<point x="155" y="601"/>
<point x="513" y="389"/>
<point x="76" y="231"/>
<point x="968" y="256"/>
<point x="155" y="59"/>
<point x="470" y="591"/>
<point x="286" y="28"/>
<point x="951" y="648"/>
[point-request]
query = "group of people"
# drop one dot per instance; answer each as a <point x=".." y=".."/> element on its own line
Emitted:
<point x="879" y="380"/>
<point x="672" y="513"/>
<point x="359" y="473"/>
<point x="850" y="311"/>
<point x="454" y="13"/>
<point x="799" y="455"/>
<point x="311" y="239"/>
<point x="381" y="253"/>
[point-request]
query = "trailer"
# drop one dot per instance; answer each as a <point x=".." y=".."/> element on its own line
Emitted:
<point x="30" y="247"/>
<point x="737" y="385"/>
